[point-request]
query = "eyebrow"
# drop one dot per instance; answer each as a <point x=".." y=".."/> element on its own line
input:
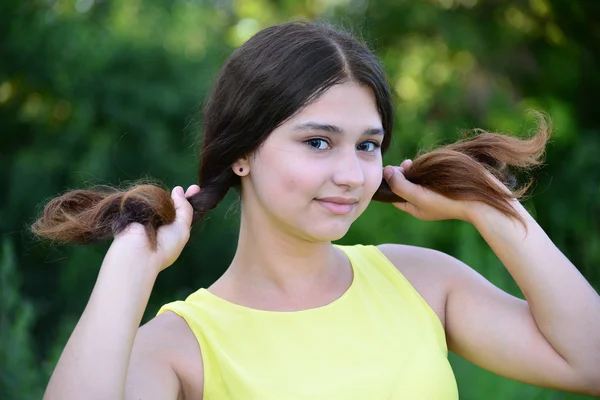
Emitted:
<point x="313" y="126"/>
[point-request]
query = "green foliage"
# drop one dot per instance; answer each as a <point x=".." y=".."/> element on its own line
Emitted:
<point x="20" y="376"/>
<point x="106" y="91"/>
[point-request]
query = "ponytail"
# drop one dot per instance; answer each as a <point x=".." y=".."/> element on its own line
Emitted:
<point x="461" y="171"/>
<point x="101" y="212"/>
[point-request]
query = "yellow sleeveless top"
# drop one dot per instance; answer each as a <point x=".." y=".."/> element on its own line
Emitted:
<point x="379" y="341"/>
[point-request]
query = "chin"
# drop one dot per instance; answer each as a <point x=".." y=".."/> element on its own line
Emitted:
<point x="329" y="233"/>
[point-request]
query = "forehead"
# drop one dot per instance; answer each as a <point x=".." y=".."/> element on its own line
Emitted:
<point x="348" y="105"/>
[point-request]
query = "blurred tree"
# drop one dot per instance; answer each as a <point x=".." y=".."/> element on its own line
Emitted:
<point x="98" y="91"/>
<point x="19" y="376"/>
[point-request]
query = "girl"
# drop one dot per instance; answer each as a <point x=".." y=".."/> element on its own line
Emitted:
<point x="298" y="121"/>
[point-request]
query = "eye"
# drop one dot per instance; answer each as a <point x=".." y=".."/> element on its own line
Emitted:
<point x="317" y="143"/>
<point x="369" y="146"/>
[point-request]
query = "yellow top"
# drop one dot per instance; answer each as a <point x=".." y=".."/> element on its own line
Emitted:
<point x="379" y="341"/>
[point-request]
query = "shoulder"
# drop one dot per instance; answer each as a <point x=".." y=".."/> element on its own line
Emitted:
<point x="420" y="260"/>
<point x="168" y="339"/>
<point x="433" y="266"/>
<point x="432" y="273"/>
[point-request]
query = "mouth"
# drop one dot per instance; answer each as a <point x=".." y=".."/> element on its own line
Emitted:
<point x="338" y="206"/>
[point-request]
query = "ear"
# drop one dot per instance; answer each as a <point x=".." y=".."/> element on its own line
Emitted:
<point x="241" y="167"/>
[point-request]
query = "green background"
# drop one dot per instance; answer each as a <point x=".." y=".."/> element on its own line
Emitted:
<point x="108" y="92"/>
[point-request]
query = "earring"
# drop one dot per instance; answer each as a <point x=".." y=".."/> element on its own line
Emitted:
<point x="241" y="169"/>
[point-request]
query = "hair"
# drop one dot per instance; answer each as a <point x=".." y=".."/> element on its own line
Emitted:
<point x="266" y="81"/>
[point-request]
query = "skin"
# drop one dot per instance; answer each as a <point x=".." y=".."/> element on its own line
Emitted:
<point x="284" y="258"/>
<point x="285" y="261"/>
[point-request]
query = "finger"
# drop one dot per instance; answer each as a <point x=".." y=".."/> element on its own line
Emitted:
<point x="406" y="164"/>
<point x="407" y="208"/>
<point x="400" y="185"/>
<point x="192" y="190"/>
<point x="183" y="208"/>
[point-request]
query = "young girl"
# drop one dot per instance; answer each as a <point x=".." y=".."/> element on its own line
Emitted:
<point x="298" y="121"/>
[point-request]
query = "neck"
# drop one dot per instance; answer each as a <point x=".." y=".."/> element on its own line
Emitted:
<point x="271" y="260"/>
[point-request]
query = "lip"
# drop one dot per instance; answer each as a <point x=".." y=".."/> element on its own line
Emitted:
<point x="339" y="200"/>
<point x="337" y="205"/>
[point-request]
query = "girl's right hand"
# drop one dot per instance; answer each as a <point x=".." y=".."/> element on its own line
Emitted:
<point x="171" y="238"/>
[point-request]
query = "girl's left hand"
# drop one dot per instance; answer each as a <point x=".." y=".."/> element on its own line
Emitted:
<point x="423" y="203"/>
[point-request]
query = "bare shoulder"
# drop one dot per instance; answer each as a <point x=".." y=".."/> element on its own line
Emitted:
<point x="420" y="260"/>
<point x="168" y="340"/>
<point x="428" y="271"/>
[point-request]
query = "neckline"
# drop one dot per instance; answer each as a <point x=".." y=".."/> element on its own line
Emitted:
<point x="221" y="301"/>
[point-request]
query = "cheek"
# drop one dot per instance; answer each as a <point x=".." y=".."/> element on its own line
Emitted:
<point x="302" y="178"/>
<point x="373" y="176"/>
<point x="284" y="176"/>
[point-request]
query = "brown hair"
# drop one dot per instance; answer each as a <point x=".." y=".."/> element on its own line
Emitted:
<point x="266" y="81"/>
<point x="462" y="170"/>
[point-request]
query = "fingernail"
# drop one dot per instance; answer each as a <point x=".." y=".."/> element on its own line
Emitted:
<point x="179" y="191"/>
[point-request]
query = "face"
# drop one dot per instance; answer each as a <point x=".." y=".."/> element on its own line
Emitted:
<point x="317" y="172"/>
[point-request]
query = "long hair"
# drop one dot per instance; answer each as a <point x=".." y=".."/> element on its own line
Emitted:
<point x="266" y="81"/>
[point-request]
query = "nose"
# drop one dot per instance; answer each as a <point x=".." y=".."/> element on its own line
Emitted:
<point x="348" y="170"/>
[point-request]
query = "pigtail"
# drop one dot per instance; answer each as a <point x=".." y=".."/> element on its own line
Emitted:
<point x="100" y="212"/>
<point x="461" y="170"/>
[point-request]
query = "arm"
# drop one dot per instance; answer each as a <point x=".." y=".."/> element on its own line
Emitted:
<point x="165" y="360"/>
<point x="94" y="363"/>
<point x="552" y="339"/>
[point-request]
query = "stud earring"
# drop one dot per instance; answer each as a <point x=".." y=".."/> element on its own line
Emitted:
<point x="241" y="169"/>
